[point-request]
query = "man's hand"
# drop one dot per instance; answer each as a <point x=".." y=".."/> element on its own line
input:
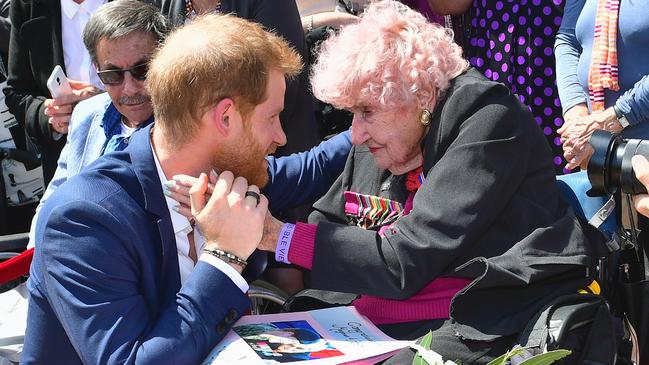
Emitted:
<point x="229" y="220"/>
<point x="272" y="229"/>
<point x="641" y="169"/>
<point x="60" y="109"/>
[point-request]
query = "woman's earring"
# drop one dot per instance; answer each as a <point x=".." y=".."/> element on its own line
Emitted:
<point x="425" y="117"/>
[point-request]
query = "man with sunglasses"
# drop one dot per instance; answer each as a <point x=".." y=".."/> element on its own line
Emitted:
<point x="120" y="41"/>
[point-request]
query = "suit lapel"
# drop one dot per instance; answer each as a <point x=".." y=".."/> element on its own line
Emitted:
<point x="154" y="202"/>
<point x="94" y="143"/>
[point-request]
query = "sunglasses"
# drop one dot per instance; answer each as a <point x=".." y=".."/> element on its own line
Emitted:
<point x="116" y="76"/>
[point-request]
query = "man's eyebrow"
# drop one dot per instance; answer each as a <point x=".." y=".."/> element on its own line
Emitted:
<point x="110" y="66"/>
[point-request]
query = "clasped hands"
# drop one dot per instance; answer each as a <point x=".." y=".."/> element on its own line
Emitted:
<point x="228" y="219"/>
<point x="59" y="110"/>
<point x="578" y="126"/>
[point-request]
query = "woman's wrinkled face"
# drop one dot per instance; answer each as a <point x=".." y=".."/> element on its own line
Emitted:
<point x="392" y="136"/>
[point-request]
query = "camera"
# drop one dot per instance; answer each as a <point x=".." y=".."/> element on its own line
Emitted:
<point x="610" y="169"/>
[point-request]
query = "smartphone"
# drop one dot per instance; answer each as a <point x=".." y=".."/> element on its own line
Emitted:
<point x="58" y="83"/>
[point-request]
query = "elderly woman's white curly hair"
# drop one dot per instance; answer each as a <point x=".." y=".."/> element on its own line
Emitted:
<point x="393" y="57"/>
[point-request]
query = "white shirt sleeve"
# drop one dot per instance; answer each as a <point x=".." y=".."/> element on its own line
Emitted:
<point x="228" y="270"/>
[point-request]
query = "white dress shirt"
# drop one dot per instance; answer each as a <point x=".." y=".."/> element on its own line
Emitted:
<point x="181" y="228"/>
<point x="77" y="60"/>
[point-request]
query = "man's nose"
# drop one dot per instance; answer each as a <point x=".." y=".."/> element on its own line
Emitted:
<point x="131" y="86"/>
<point x="280" y="136"/>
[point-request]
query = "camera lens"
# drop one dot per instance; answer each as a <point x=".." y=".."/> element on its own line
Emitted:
<point x="610" y="168"/>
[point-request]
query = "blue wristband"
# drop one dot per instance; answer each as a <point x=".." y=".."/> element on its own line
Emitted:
<point x="284" y="243"/>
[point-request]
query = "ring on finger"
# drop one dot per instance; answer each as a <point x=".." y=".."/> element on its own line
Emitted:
<point x="253" y="194"/>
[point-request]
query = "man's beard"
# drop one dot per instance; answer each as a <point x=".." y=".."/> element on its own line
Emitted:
<point x="246" y="159"/>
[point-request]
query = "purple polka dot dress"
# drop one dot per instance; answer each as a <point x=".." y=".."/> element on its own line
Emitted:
<point x="511" y="41"/>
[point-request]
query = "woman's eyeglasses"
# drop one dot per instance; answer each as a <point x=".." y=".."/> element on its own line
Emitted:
<point x="116" y="76"/>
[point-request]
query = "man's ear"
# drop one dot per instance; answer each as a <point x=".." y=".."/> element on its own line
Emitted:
<point x="222" y="116"/>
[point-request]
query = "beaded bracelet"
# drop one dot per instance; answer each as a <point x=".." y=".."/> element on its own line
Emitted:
<point x="227" y="257"/>
<point x="309" y="24"/>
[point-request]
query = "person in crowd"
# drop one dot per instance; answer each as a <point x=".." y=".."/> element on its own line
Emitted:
<point x="46" y="34"/>
<point x="337" y="13"/>
<point x="602" y="75"/>
<point x="447" y="216"/>
<point x="511" y="42"/>
<point x="121" y="39"/>
<point x="22" y="181"/>
<point x="450" y="7"/>
<point x="423" y="6"/>
<point x="105" y="284"/>
<point x="322" y="13"/>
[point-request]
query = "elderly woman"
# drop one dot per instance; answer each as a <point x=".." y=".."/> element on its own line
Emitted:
<point x="447" y="216"/>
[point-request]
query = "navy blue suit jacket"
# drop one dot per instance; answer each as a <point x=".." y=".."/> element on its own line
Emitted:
<point x="104" y="284"/>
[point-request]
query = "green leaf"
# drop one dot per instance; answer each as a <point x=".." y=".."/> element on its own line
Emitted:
<point x="546" y="358"/>
<point x="426" y="341"/>
<point x="502" y="359"/>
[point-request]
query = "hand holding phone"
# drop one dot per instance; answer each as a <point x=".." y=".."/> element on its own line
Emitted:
<point x="58" y="83"/>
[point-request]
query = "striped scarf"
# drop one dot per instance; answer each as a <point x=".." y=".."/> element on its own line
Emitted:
<point x="603" y="72"/>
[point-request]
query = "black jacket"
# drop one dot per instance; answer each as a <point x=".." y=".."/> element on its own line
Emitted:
<point x="35" y="47"/>
<point x="489" y="210"/>
<point x="281" y="16"/>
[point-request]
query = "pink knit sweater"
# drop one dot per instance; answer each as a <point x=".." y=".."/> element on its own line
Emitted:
<point x="431" y="302"/>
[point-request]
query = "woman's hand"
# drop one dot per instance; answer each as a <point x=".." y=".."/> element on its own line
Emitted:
<point x="230" y="220"/>
<point x="178" y="190"/>
<point x="576" y="149"/>
<point x="577" y="130"/>
<point x="573" y="115"/>
<point x="272" y="229"/>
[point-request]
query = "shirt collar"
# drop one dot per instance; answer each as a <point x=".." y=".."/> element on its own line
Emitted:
<point x="111" y="122"/>
<point x="178" y="221"/>
<point x="70" y="8"/>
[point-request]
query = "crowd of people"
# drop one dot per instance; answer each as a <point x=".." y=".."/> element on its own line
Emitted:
<point x="191" y="148"/>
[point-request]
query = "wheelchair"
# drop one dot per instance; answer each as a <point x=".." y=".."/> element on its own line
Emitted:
<point x="597" y="324"/>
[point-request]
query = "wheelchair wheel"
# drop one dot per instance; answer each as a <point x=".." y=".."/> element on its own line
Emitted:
<point x="265" y="298"/>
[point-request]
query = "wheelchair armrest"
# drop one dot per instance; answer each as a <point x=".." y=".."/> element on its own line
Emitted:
<point x="14" y="242"/>
<point x="570" y="317"/>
